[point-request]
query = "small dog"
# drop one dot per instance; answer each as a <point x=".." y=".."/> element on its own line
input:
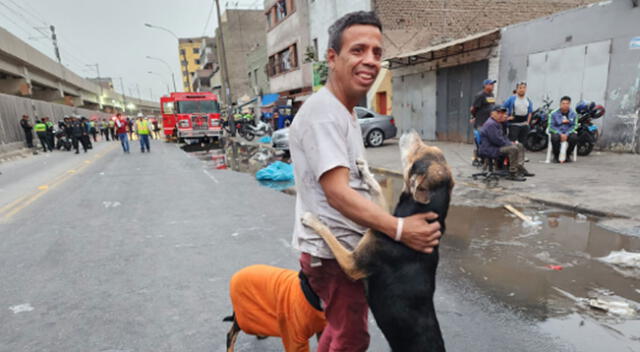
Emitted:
<point x="399" y="281"/>
<point x="270" y="301"/>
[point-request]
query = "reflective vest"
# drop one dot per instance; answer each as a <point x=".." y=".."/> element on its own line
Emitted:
<point x="92" y="124"/>
<point x="143" y="127"/>
<point x="40" y="127"/>
<point x="111" y="123"/>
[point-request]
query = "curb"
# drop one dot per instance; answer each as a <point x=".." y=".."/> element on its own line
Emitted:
<point x="22" y="152"/>
<point x="571" y="207"/>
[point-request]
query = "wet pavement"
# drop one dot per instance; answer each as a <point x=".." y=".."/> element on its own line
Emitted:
<point x="548" y="274"/>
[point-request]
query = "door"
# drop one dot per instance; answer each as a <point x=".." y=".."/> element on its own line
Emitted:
<point x="381" y="102"/>
<point x="456" y="87"/>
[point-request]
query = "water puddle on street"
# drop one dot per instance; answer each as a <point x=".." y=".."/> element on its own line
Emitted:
<point x="551" y="271"/>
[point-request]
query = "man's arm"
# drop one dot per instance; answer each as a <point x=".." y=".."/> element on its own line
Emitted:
<point x="417" y="233"/>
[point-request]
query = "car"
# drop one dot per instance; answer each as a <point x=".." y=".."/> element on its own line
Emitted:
<point x="376" y="128"/>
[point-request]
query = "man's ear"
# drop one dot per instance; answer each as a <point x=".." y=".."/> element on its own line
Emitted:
<point x="408" y="143"/>
<point x="331" y="58"/>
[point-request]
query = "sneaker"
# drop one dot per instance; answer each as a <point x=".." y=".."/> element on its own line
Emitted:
<point x="556" y="161"/>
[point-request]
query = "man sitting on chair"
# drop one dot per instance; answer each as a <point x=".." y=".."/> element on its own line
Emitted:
<point x="562" y="127"/>
<point x="494" y="144"/>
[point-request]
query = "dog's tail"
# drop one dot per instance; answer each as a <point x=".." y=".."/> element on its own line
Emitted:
<point x="230" y="318"/>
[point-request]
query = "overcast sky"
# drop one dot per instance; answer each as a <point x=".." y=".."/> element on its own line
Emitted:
<point x="112" y="33"/>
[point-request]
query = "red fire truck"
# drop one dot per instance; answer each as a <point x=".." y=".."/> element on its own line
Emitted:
<point x="191" y="117"/>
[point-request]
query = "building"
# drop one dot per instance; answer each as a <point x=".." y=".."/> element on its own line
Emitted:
<point x="438" y="52"/>
<point x="289" y="49"/>
<point x="243" y="30"/>
<point x="189" y="55"/>
<point x="201" y="80"/>
<point x="257" y="70"/>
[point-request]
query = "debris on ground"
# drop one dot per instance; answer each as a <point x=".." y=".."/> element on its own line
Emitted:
<point x="518" y="213"/>
<point x="625" y="263"/>
<point x="555" y="267"/>
<point x="276" y="171"/>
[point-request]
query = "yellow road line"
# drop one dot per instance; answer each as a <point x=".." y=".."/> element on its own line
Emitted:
<point x="19" y="204"/>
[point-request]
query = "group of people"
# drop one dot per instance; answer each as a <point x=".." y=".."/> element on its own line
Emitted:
<point x="79" y="131"/>
<point x="503" y="128"/>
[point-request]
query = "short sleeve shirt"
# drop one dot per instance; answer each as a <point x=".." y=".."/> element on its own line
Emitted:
<point x="324" y="135"/>
<point x="483" y="103"/>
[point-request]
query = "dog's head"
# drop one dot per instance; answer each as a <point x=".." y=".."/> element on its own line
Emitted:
<point x="427" y="177"/>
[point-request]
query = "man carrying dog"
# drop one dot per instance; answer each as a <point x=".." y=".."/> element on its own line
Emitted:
<point x="326" y="141"/>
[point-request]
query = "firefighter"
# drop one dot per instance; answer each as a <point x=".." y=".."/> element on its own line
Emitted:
<point x="41" y="132"/>
<point x="143" y="128"/>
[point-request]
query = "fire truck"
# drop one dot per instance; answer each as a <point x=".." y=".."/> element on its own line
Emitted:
<point x="191" y="117"/>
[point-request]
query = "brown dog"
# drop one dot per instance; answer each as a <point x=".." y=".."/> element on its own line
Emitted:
<point x="270" y="301"/>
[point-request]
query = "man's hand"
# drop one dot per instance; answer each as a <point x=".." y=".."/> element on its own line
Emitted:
<point x="420" y="235"/>
<point x="563" y="138"/>
<point x="565" y="121"/>
<point x="472" y="120"/>
<point x="510" y="118"/>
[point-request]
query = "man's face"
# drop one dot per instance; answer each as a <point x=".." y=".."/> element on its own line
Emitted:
<point x="500" y="116"/>
<point x="357" y="65"/>
<point x="565" y="105"/>
<point x="488" y="88"/>
<point x="522" y="90"/>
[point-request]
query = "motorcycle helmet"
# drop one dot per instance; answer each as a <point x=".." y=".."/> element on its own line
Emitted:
<point x="598" y="111"/>
<point x="583" y="107"/>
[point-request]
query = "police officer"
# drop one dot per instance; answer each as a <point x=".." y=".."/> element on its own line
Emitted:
<point x="50" y="134"/>
<point x="41" y="131"/>
<point x="78" y="132"/>
<point x="28" y="130"/>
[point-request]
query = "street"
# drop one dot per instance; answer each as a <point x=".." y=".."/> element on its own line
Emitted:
<point x="133" y="252"/>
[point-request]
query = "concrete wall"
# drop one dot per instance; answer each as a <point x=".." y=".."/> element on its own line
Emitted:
<point x="257" y="66"/>
<point x="616" y="21"/>
<point x="322" y="15"/>
<point x="292" y="30"/>
<point x="12" y="108"/>
<point x="243" y="31"/>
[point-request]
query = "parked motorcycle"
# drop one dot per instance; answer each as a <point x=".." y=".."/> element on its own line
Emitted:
<point x="537" y="138"/>
<point x="258" y="128"/>
<point x="587" y="132"/>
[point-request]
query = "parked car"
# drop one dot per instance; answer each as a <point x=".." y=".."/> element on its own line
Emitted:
<point x="376" y="128"/>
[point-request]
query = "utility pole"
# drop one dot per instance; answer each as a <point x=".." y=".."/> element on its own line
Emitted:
<point x="225" y="74"/>
<point x="97" y="66"/>
<point x="54" y="39"/>
<point x="124" y="97"/>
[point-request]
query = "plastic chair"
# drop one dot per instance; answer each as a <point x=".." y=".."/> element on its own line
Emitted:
<point x="563" y="146"/>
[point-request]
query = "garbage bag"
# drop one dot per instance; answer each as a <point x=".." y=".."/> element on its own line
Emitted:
<point x="276" y="171"/>
<point x="265" y="140"/>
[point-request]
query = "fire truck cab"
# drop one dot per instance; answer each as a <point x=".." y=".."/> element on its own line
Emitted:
<point x="191" y="117"/>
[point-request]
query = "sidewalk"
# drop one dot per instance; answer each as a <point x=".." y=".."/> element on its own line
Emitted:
<point x="603" y="183"/>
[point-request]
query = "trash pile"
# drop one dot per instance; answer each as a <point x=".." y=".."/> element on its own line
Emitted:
<point x="276" y="171"/>
<point x="625" y="263"/>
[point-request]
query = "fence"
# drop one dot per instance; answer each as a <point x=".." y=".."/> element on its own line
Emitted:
<point x="12" y="108"/>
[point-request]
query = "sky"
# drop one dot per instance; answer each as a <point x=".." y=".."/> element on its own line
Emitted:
<point x="112" y="34"/>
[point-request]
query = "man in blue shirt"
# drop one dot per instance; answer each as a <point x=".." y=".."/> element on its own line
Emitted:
<point x="563" y="124"/>
<point x="494" y="144"/>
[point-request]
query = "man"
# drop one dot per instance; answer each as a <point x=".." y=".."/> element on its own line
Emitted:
<point x="112" y="128"/>
<point x="104" y="129"/>
<point x="50" y="134"/>
<point x="120" y="125"/>
<point x="93" y="130"/>
<point x="494" y="143"/>
<point x="130" y="127"/>
<point x="483" y="103"/>
<point x="28" y="130"/>
<point x="562" y="126"/>
<point x="519" y="109"/>
<point x="326" y="141"/>
<point x="143" y="128"/>
<point x="79" y="134"/>
<point x="41" y="131"/>
<point x="86" y="138"/>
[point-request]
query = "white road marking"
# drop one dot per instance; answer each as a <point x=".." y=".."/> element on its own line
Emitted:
<point x="211" y="176"/>
<point x="108" y="204"/>
<point x="25" y="307"/>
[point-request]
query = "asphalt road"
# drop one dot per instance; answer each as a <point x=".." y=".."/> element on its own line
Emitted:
<point x="108" y="251"/>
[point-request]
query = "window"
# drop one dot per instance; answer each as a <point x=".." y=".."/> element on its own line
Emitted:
<point x="279" y="12"/>
<point x="196" y="50"/>
<point x="284" y="61"/>
<point x="183" y="63"/>
<point x="197" y="61"/>
<point x="182" y="52"/>
<point x="167" y="108"/>
<point x="197" y="106"/>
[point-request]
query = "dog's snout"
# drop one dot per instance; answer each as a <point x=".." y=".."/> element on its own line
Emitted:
<point x="420" y="167"/>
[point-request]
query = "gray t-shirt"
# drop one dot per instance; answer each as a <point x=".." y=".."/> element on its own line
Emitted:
<point x="324" y="135"/>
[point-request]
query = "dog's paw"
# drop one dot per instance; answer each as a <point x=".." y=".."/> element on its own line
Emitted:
<point x="310" y="220"/>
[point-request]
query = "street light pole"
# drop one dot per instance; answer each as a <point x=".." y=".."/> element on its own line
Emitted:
<point x="124" y="97"/>
<point x="162" y="79"/>
<point x="225" y="73"/>
<point x="184" y="55"/>
<point x="97" y="66"/>
<point x="173" y="78"/>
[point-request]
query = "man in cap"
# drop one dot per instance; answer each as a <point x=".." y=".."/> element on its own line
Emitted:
<point x="494" y="143"/>
<point x="483" y="103"/>
<point x="28" y="130"/>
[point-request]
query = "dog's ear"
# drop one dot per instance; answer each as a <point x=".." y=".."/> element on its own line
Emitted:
<point x="408" y="143"/>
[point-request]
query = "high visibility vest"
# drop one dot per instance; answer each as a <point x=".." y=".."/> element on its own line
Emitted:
<point x="111" y="123"/>
<point x="143" y="127"/>
<point x="92" y="124"/>
<point x="40" y="127"/>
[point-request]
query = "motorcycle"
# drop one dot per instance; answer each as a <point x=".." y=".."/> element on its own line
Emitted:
<point x="587" y="132"/>
<point x="62" y="140"/>
<point x="537" y="138"/>
<point x="258" y="128"/>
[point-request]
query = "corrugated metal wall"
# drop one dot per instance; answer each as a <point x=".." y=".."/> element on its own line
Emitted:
<point x="12" y="108"/>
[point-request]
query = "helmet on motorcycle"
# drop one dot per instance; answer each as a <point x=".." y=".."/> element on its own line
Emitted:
<point x="598" y="111"/>
<point x="583" y="107"/>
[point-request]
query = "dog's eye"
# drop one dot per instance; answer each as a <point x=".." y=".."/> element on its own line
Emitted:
<point x="421" y="189"/>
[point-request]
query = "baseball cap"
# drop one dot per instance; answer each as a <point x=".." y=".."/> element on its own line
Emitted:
<point x="488" y="81"/>
<point x="499" y="108"/>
